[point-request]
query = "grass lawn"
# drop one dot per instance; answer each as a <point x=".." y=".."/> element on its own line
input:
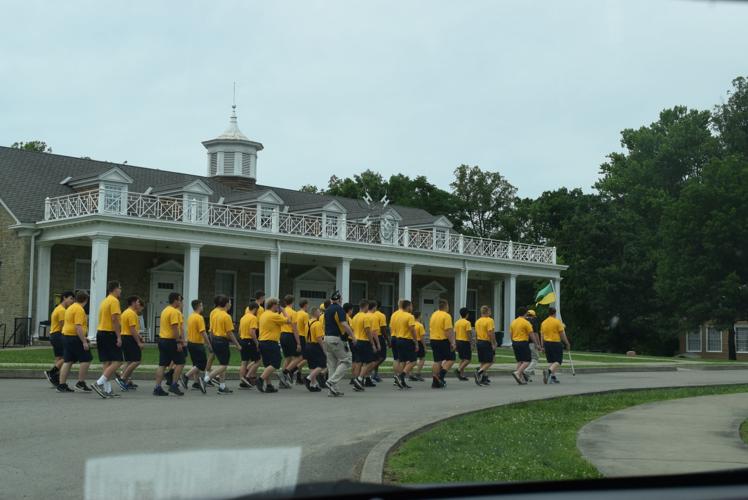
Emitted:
<point x="520" y="442"/>
<point x="744" y="431"/>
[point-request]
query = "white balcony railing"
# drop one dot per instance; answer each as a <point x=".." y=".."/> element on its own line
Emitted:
<point x="192" y="212"/>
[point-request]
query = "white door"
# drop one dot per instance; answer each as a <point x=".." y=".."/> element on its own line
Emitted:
<point x="429" y="304"/>
<point x="162" y="284"/>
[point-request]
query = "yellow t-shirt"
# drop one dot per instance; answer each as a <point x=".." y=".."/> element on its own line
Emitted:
<point x="520" y="329"/>
<point x="58" y="317"/>
<point x="401" y="323"/>
<point x="287" y="328"/>
<point x="195" y="328"/>
<point x="248" y="323"/>
<point x="129" y="319"/>
<point x="74" y="315"/>
<point x="420" y="330"/>
<point x="221" y="324"/>
<point x="210" y="318"/>
<point x="316" y="332"/>
<point x="270" y="325"/>
<point x="380" y="320"/>
<point x="462" y="329"/>
<point x="109" y="306"/>
<point x="360" y="322"/>
<point x="393" y="319"/>
<point x="439" y="323"/>
<point x="260" y="310"/>
<point x="170" y="316"/>
<point x="302" y="322"/>
<point x="551" y="329"/>
<point x="483" y="326"/>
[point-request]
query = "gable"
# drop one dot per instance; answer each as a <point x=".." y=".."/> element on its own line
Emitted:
<point x="170" y="265"/>
<point x="434" y="286"/>
<point x="318" y="273"/>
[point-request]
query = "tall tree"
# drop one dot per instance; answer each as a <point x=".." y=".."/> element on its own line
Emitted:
<point x="731" y="119"/>
<point x="39" y="146"/>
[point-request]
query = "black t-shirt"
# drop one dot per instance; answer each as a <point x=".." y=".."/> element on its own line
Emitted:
<point x="332" y="327"/>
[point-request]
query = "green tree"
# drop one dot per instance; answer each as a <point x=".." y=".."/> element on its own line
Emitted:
<point x="39" y="146"/>
<point x="309" y="188"/>
<point x="731" y="119"/>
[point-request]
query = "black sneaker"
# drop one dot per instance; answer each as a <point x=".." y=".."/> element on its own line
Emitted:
<point x="357" y="385"/>
<point x="397" y="382"/>
<point x="121" y="383"/>
<point x="169" y="376"/>
<point x="209" y="383"/>
<point x="554" y="380"/>
<point x="82" y="386"/>
<point x="196" y="386"/>
<point x="174" y="389"/>
<point x="545" y="376"/>
<point x="517" y="378"/>
<point x="50" y="377"/>
<point x="99" y="389"/>
<point x="368" y="382"/>
<point x="478" y="376"/>
<point x="185" y="381"/>
<point x="282" y="382"/>
<point x="299" y="378"/>
<point x="524" y="376"/>
<point x="261" y="384"/>
<point x="201" y="385"/>
<point x="485" y="380"/>
<point x="270" y="388"/>
<point x="215" y="382"/>
<point x="246" y="382"/>
<point x="159" y="391"/>
<point x="436" y="383"/>
<point x="132" y="385"/>
<point x="111" y="394"/>
<point x="331" y="387"/>
<point x="308" y="384"/>
<point x="403" y="383"/>
<point x="64" y="388"/>
<point x="316" y="388"/>
<point x="224" y="391"/>
<point x="244" y="385"/>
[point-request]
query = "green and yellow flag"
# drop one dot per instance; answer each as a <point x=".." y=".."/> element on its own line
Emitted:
<point x="547" y="295"/>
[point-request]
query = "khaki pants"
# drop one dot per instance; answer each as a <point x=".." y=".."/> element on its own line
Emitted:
<point x="530" y="370"/>
<point x="338" y="358"/>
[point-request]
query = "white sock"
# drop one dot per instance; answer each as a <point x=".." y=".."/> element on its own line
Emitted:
<point x="206" y="378"/>
<point x="108" y="386"/>
<point x="102" y="380"/>
<point x="222" y="385"/>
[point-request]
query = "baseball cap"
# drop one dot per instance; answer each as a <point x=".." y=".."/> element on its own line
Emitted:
<point x="531" y="312"/>
<point x="335" y="295"/>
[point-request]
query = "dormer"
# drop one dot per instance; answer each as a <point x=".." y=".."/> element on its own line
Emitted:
<point x="112" y="186"/>
<point x="333" y="215"/>
<point x="267" y="203"/>
<point x="440" y="228"/>
<point x="193" y="194"/>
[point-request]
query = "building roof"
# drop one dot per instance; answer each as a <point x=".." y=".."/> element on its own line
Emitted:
<point x="29" y="177"/>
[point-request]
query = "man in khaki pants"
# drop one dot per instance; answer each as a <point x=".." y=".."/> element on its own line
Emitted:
<point x="337" y="333"/>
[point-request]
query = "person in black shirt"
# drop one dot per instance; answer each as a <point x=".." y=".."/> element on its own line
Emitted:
<point x="336" y="345"/>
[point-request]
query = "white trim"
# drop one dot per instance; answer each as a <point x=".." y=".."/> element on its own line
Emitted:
<point x="169" y="266"/>
<point x="327" y="275"/>
<point x="699" y="331"/>
<point x="434" y="286"/>
<point x="719" y="332"/>
<point x="2" y="204"/>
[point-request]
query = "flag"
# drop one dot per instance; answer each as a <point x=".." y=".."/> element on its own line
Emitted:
<point x="547" y="295"/>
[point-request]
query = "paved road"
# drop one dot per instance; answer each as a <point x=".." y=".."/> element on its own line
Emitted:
<point x="46" y="437"/>
<point x="671" y="437"/>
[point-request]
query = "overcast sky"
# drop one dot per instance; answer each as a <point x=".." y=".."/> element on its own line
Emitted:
<point x="537" y="90"/>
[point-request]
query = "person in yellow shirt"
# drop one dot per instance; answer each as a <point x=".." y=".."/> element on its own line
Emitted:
<point x="365" y="346"/>
<point x="521" y="332"/>
<point x="302" y="327"/>
<point x="313" y="353"/>
<point x="197" y="339"/>
<point x="485" y="344"/>
<point x="290" y="344"/>
<point x="222" y="328"/>
<point x="56" y="320"/>
<point x="403" y="327"/>
<point x="379" y="326"/>
<point x="109" y="339"/>
<point x="211" y="354"/>
<point x="270" y="323"/>
<point x="397" y="367"/>
<point x="132" y="342"/>
<point x="260" y="300"/>
<point x="249" y="327"/>
<point x="75" y="344"/>
<point x="554" y="336"/>
<point x="534" y="347"/>
<point x="415" y="375"/>
<point x="442" y="336"/>
<point x="171" y="345"/>
<point x="463" y="336"/>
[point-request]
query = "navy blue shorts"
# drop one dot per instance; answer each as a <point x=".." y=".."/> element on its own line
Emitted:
<point x="168" y="353"/>
<point x="73" y="351"/>
<point x="406" y="350"/>
<point x="221" y="350"/>
<point x="393" y="342"/>
<point x="421" y="350"/>
<point x="363" y="352"/>
<point x="464" y="350"/>
<point x="249" y="352"/>
<point x="382" y="352"/>
<point x="106" y="344"/>
<point x="271" y="353"/>
<point x="197" y="355"/>
<point x="554" y="352"/>
<point x="130" y="349"/>
<point x="55" y="340"/>
<point x="441" y="351"/>
<point x="522" y="351"/>
<point x="485" y="351"/>
<point x="315" y="356"/>
<point x="288" y="344"/>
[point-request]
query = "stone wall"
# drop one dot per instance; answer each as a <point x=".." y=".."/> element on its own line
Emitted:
<point x="14" y="273"/>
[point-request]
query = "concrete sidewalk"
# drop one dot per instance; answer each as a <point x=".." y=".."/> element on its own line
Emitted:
<point x="669" y="437"/>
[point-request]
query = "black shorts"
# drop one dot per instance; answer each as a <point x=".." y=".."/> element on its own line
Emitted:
<point x="554" y="352"/>
<point x="168" y="353"/>
<point x="485" y="351"/>
<point x="393" y="342"/>
<point x="382" y="352"/>
<point x="271" y="353"/>
<point x="73" y="351"/>
<point x="363" y="352"/>
<point x="221" y="350"/>
<point x="250" y="351"/>
<point x="464" y="350"/>
<point x="288" y="344"/>
<point x="55" y="340"/>
<point x="315" y="356"/>
<point x="130" y="349"/>
<point x="522" y="351"/>
<point x="441" y="351"/>
<point x="106" y="344"/>
<point x="406" y="350"/>
<point x="197" y="355"/>
<point x="421" y="350"/>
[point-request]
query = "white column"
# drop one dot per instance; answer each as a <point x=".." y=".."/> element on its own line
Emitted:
<point x="557" y="289"/>
<point x="99" y="266"/>
<point x="44" y="266"/>
<point x="405" y="282"/>
<point x="343" y="278"/>
<point x="510" y="305"/>
<point x="460" y="300"/>
<point x="496" y="306"/>
<point x="191" y="285"/>
<point x="272" y="274"/>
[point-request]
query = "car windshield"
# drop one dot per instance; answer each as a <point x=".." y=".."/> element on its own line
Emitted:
<point x="303" y="247"/>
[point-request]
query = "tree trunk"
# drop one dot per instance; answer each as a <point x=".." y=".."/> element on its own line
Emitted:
<point x="732" y="354"/>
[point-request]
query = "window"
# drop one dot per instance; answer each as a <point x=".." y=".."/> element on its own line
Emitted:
<point x="113" y="198"/>
<point x="228" y="163"/>
<point x="386" y="297"/>
<point x="472" y="305"/>
<point x="313" y="294"/>
<point x="693" y="341"/>
<point x="256" y="283"/>
<point x="713" y="339"/>
<point x="213" y="165"/>
<point x="741" y="339"/>
<point x="225" y="281"/>
<point x="359" y="291"/>
<point x="82" y="275"/>
<point x="246" y="164"/>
